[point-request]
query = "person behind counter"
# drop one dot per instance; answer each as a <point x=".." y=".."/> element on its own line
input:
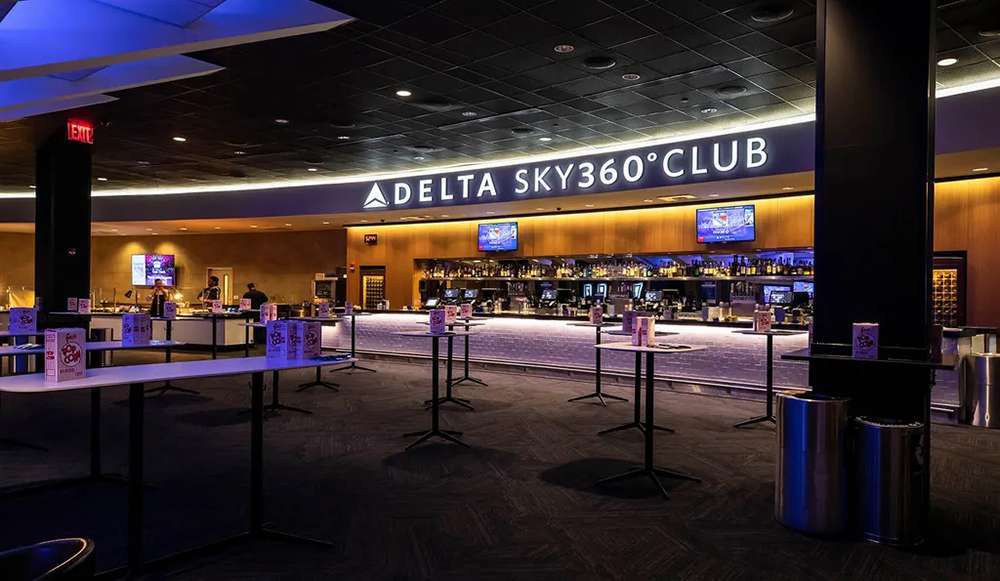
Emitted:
<point x="212" y="292"/>
<point x="257" y="298"/>
<point x="157" y="297"/>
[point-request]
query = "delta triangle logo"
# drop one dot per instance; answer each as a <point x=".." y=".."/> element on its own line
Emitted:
<point x="376" y="199"/>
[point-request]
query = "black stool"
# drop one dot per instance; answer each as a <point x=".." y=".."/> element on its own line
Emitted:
<point x="58" y="560"/>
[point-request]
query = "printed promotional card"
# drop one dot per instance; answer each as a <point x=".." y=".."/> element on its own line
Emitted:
<point x="137" y="329"/>
<point x="170" y="310"/>
<point x="436" y="319"/>
<point x="65" y="354"/>
<point x="245" y="305"/>
<point x="865" y="341"/>
<point x="23" y="320"/>
<point x="277" y="340"/>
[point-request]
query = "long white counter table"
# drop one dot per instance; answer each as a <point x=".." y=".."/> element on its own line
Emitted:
<point x="135" y="377"/>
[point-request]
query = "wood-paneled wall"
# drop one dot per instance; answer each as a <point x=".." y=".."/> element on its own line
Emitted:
<point x="781" y="223"/>
<point x="967" y="217"/>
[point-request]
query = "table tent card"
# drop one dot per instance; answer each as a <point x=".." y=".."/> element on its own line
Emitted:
<point x="245" y="305"/>
<point x="628" y="320"/>
<point x="596" y="315"/>
<point x="137" y="329"/>
<point x="65" y="354"/>
<point x="465" y="311"/>
<point x="215" y="306"/>
<point x="83" y="306"/>
<point x="23" y="320"/>
<point x="72" y="304"/>
<point x="323" y="310"/>
<point x="277" y="339"/>
<point x="170" y="310"/>
<point x="762" y="321"/>
<point x="450" y="314"/>
<point x="436" y="320"/>
<point x="348" y="308"/>
<point x="310" y="345"/>
<point x="268" y="312"/>
<point x="644" y="332"/>
<point x="865" y="341"/>
<point x="294" y="350"/>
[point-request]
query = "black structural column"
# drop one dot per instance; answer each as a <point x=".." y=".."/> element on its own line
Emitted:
<point x="875" y="196"/>
<point x="62" y="220"/>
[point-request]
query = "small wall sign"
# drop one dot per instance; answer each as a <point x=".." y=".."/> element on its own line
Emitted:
<point x="371" y="239"/>
<point x="79" y="130"/>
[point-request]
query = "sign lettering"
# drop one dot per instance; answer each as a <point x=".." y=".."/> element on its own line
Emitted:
<point x="79" y="130"/>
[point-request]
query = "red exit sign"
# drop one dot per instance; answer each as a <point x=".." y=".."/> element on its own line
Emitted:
<point x="78" y="130"/>
<point x="371" y="239"/>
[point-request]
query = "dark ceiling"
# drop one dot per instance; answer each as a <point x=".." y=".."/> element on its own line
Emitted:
<point x="486" y="83"/>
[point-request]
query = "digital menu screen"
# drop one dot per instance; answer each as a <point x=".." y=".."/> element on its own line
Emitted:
<point x="452" y="293"/>
<point x="146" y="268"/>
<point x="777" y="294"/>
<point x="802" y="286"/>
<point x="729" y="224"/>
<point x="498" y="237"/>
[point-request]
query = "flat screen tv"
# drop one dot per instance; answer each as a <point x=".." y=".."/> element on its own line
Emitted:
<point x="802" y="286"/>
<point x="452" y="293"/>
<point x="470" y="293"/>
<point x="772" y="290"/>
<point x="146" y="268"/>
<point x="498" y="237"/>
<point x="728" y="224"/>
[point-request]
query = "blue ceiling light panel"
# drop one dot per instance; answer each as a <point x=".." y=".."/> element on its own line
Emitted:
<point x="59" y="54"/>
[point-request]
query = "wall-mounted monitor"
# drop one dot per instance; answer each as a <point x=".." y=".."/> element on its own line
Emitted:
<point x="146" y="268"/>
<point x="452" y="293"/>
<point x="470" y="294"/>
<point x="804" y="286"/>
<point x="783" y="292"/>
<point x="498" y="237"/>
<point x="727" y="224"/>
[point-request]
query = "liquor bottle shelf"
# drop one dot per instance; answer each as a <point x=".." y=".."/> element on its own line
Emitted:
<point x="748" y="278"/>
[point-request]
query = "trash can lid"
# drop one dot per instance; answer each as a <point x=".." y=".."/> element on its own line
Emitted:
<point x="810" y="396"/>
<point x="888" y="422"/>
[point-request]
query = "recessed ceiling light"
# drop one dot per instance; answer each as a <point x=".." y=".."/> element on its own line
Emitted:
<point x="676" y="198"/>
<point x="444" y="215"/>
<point x="787" y="189"/>
<point x="179" y="139"/>
<point x="713" y="195"/>
<point x="469" y="113"/>
<point x="253" y="225"/>
<point x="989" y="32"/>
<point x="648" y="201"/>
<point x="142" y="162"/>
<point x="588" y="205"/>
<point x="32" y="186"/>
<point x="364" y="220"/>
<point x="114" y="229"/>
<point x="102" y="179"/>
<point x="281" y="121"/>
<point x="311" y="169"/>
<point x="564" y="48"/>
<point x="980" y="169"/>
<point x="217" y="228"/>
<point x="599" y="63"/>
<point x="540" y="209"/>
<point x="403" y="93"/>
<point x="947" y="62"/>
<point x="239" y="152"/>
<point x="155" y="234"/>
<point x="183" y="229"/>
<point x="771" y="13"/>
<point x="419" y="157"/>
<point x="544" y="139"/>
<point x="730" y="91"/>
<point x="326" y="223"/>
<point x="491" y="213"/>
<point x="149" y="229"/>
<point x="288" y="225"/>
<point x="709" y="110"/>
<point x="343" y="137"/>
<point x="631" y="77"/>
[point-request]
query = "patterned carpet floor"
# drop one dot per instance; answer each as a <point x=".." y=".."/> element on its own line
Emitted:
<point x="520" y="504"/>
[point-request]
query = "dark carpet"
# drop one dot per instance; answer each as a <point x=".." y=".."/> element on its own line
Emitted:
<point x="521" y="504"/>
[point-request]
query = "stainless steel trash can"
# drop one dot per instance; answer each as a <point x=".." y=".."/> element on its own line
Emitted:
<point x="980" y="396"/>
<point x="811" y="487"/>
<point x="891" y="480"/>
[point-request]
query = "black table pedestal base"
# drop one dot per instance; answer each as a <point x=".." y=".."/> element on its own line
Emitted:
<point x="470" y="380"/>
<point x="449" y="435"/>
<point x="318" y="382"/>
<point x="170" y="387"/>
<point x="600" y="396"/>
<point x="354" y="367"/>
<point x="59" y="483"/>
<point x="653" y="473"/>
<point x="636" y="425"/>
<point x="756" y="420"/>
<point x="450" y="399"/>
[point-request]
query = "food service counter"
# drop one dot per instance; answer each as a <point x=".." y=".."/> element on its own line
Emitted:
<point x="194" y="330"/>
<point x="731" y="359"/>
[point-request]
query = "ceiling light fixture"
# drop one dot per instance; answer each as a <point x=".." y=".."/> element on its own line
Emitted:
<point x="179" y="139"/>
<point x="544" y="139"/>
<point x="403" y="93"/>
<point x="182" y="229"/>
<point x="709" y="110"/>
<point x="713" y="195"/>
<point x="326" y="223"/>
<point x="947" y="62"/>
<point x="648" y="201"/>
<point x="978" y="169"/>
<point x="787" y="189"/>
<point x="676" y="198"/>
<point x="540" y="209"/>
<point x="281" y="121"/>
<point x="216" y="227"/>
<point x="771" y="13"/>
<point x="253" y="225"/>
<point x="419" y="157"/>
<point x="588" y="205"/>
<point x="102" y="179"/>
<point x="469" y="113"/>
<point x="32" y="186"/>
<point x="564" y="48"/>
<point x="631" y="77"/>
<point x="239" y="152"/>
<point x="343" y="137"/>
<point x="311" y="169"/>
<point x="149" y="229"/>
<point x="288" y="225"/>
